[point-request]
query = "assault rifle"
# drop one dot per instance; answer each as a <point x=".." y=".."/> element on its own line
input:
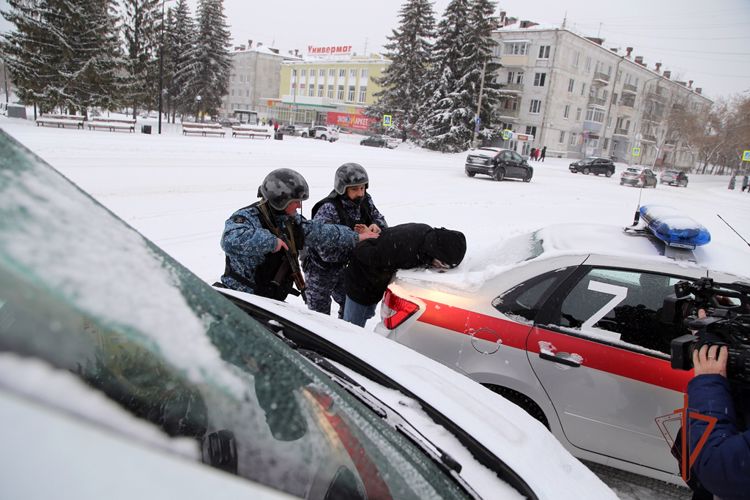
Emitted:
<point x="291" y="261"/>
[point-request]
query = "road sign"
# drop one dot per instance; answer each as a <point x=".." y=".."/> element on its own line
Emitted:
<point x="746" y="156"/>
<point x="387" y="121"/>
<point x="636" y="151"/>
<point x="507" y="134"/>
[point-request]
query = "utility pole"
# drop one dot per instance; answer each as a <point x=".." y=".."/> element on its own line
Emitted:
<point x="477" y="120"/>
<point x="161" y="65"/>
<point x="5" y="81"/>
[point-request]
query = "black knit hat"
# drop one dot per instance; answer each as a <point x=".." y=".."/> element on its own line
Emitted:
<point x="446" y="245"/>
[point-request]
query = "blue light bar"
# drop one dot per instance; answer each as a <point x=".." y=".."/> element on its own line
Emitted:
<point x="673" y="228"/>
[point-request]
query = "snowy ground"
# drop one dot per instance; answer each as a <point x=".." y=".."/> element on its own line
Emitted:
<point x="178" y="191"/>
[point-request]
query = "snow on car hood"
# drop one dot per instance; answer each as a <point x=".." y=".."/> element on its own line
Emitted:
<point x="502" y="427"/>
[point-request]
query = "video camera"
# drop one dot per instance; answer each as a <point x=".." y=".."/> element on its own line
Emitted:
<point x="727" y="322"/>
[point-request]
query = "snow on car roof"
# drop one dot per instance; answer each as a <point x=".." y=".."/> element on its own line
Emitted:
<point x="569" y="239"/>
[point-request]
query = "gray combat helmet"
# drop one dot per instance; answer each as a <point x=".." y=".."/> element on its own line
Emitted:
<point x="349" y="174"/>
<point x="283" y="186"/>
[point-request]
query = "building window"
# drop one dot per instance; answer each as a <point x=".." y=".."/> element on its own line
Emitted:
<point x="320" y="90"/>
<point x="562" y="137"/>
<point x="352" y="74"/>
<point x="350" y="95"/>
<point x="576" y="59"/>
<point x="303" y="72"/>
<point x="362" y="94"/>
<point x="572" y="140"/>
<point x="531" y="130"/>
<point x="588" y="64"/>
<point x="566" y="112"/>
<point x="544" y="51"/>
<point x="594" y="115"/>
<point x="331" y="73"/>
<point x="535" y="106"/>
<point x="321" y="73"/>
<point x="583" y="89"/>
<point x="578" y="114"/>
<point x="340" y="93"/>
<point x="515" y="48"/>
<point x="571" y="84"/>
<point x="312" y="90"/>
<point x="301" y="89"/>
<point x="330" y="91"/>
<point x="342" y="73"/>
<point x="363" y="73"/>
<point x="539" y="79"/>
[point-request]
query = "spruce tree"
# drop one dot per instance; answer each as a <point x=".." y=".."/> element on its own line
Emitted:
<point x="29" y="51"/>
<point x="409" y="49"/>
<point x="181" y="41"/>
<point x="142" y="30"/>
<point x="209" y="64"/>
<point x="447" y="114"/>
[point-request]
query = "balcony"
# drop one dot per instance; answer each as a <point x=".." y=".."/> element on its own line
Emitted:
<point x="656" y="97"/>
<point x="597" y="101"/>
<point x="652" y="116"/>
<point x="514" y="61"/>
<point x="593" y="127"/>
<point x="600" y="79"/>
<point x="512" y="87"/>
<point x="649" y="138"/>
<point x="621" y="131"/>
<point x="627" y="102"/>
<point x="629" y="88"/>
<point x="506" y="113"/>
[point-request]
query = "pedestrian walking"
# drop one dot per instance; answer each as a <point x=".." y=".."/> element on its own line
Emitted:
<point x="732" y="181"/>
<point x="348" y="204"/>
<point x="262" y="241"/>
<point x="532" y="154"/>
<point x="544" y="153"/>
<point x="375" y="262"/>
<point x="744" y="183"/>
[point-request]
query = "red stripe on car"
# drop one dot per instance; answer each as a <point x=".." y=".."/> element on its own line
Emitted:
<point x="596" y="355"/>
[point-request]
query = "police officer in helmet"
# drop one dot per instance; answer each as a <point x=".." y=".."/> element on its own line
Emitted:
<point x="348" y="204"/>
<point x="262" y="241"/>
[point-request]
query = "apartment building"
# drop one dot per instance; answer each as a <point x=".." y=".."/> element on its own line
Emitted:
<point x="254" y="78"/>
<point x="330" y="86"/>
<point x="579" y="98"/>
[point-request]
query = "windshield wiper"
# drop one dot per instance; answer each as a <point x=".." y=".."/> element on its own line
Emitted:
<point x="391" y="417"/>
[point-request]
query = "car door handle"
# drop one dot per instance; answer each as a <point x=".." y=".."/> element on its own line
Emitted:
<point x="562" y="358"/>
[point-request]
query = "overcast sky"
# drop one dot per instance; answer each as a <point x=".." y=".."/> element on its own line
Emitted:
<point x="707" y="42"/>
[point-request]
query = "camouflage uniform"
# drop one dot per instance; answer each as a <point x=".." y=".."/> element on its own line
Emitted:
<point x="324" y="267"/>
<point x="248" y="245"/>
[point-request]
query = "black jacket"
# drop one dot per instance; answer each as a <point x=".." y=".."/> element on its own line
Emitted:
<point x="406" y="246"/>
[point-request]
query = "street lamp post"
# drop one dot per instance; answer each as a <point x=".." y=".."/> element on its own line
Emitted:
<point x="197" y="107"/>
<point x="161" y="64"/>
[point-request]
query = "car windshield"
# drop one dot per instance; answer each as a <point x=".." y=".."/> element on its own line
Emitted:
<point x="631" y="170"/>
<point x="587" y="161"/>
<point x="90" y="296"/>
<point x="487" y="152"/>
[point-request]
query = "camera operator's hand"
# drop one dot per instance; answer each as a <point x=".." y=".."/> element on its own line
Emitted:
<point x="706" y="361"/>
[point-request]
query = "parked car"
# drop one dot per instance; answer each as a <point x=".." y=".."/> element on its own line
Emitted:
<point x="570" y="329"/>
<point x="674" y="178"/>
<point x="293" y="130"/>
<point x="380" y="141"/>
<point x="322" y="132"/>
<point x="119" y="368"/>
<point x="229" y="122"/>
<point x="593" y="165"/>
<point x="638" y="176"/>
<point x="499" y="164"/>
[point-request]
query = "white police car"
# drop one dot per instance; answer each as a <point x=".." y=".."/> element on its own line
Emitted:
<point x="123" y="375"/>
<point x="569" y="326"/>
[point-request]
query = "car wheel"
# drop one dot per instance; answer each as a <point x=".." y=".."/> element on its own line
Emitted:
<point x="304" y="134"/>
<point x="622" y="183"/>
<point x="323" y="137"/>
<point x="586" y="171"/>
<point x="525" y="402"/>
<point x="499" y="174"/>
<point x="609" y="173"/>
<point x="528" y="176"/>
<point x="470" y="174"/>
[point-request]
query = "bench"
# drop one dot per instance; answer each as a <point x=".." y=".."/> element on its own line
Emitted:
<point x="204" y="129"/>
<point x="251" y="132"/>
<point x="61" y="120"/>
<point x="112" y="124"/>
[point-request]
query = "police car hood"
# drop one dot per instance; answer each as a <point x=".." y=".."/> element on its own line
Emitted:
<point x="503" y="428"/>
<point x="567" y="239"/>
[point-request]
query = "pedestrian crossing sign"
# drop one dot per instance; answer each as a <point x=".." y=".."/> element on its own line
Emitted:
<point x="507" y="134"/>
<point x="636" y="151"/>
<point x="746" y="155"/>
<point x="387" y="121"/>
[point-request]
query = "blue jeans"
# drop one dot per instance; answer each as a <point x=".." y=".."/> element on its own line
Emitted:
<point x="356" y="313"/>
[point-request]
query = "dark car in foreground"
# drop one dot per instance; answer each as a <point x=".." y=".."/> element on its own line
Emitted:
<point x="119" y="368"/>
<point x="674" y="178"/>
<point x="593" y="165"/>
<point x="499" y="164"/>
<point x="379" y="141"/>
<point x="638" y="176"/>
